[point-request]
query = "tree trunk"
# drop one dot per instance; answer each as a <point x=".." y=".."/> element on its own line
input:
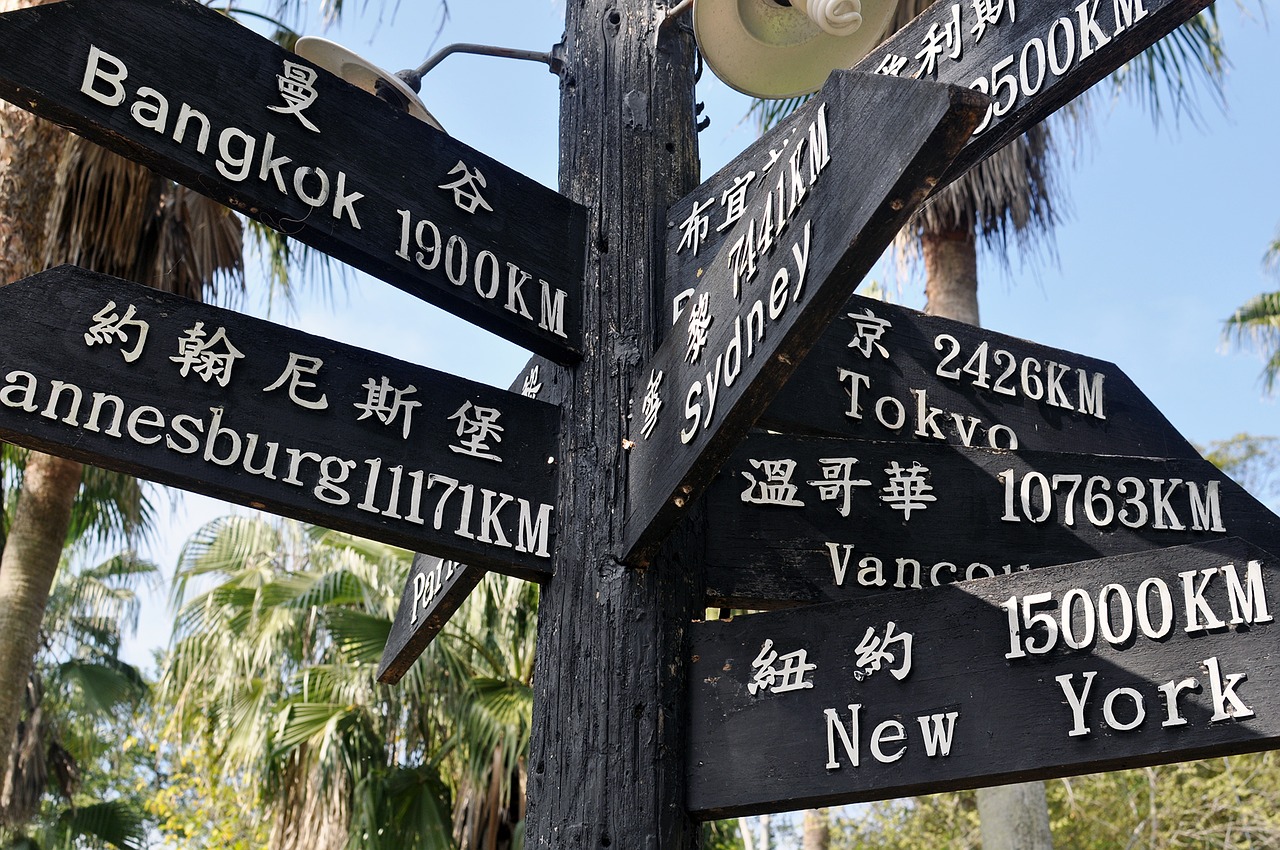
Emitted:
<point x="606" y="763"/>
<point x="951" y="274"/>
<point x="1013" y="817"/>
<point x="817" y="829"/>
<point x="27" y="568"/>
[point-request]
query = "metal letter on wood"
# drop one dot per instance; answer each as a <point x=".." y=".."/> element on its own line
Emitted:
<point x="129" y="378"/>
<point x="770" y="248"/>
<point x="190" y="93"/>
<point x="1132" y="660"/>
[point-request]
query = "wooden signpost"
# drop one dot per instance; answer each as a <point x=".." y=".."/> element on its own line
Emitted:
<point x="129" y="378"/>
<point x="772" y="245"/>
<point x="814" y="519"/>
<point x="1132" y="660"/>
<point x="884" y="372"/>
<point x="210" y="104"/>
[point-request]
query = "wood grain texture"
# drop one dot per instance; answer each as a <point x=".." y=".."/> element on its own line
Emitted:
<point x="334" y="463"/>
<point x="887" y="140"/>
<point x="974" y="522"/>
<point x="368" y="162"/>
<point x="769" y="750"/>
<point x="607" y="753"/>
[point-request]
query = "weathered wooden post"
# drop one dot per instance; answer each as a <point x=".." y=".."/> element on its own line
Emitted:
<point x="606" y="765"/>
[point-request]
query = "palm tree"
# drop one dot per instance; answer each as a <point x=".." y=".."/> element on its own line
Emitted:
<point x="276" y="643"/>
<point x="69" y="776"/>
<point x="1256" y="323"/>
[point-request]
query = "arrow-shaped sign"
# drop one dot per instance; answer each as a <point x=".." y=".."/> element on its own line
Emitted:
<point x="883" y="372"/>
<point x="812" y="519"/>
<point x="128" y="378"/>
<point x="1139" y="659"/>
<point x="198" y="98"/>
<point x="806" y="211"/>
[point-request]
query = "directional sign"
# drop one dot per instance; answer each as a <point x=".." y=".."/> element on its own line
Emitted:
<point x="207" y="102"/>
<point x="1121" y="662"/>
<point x="1032" y="56"/>
<point x="434" y="591"/>
<point x="129" y="378"/>
<point x="882" y="372"/>
<point x="772" y="246"/>
<point x="436" y="588"/>
<point x="812" y="519"/>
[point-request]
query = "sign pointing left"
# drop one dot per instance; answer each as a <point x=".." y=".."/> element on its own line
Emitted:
<point x="208" y="103"/>
<point x="126" y="377"/>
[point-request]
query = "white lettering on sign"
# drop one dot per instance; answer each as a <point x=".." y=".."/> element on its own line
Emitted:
<point x="1124" y="709"/>
<point x="1136" y="503"/>
<point x="428" y="584"/>
<point x="1067" y="42"/>
<point x="926" y="421"/>
<point x="936" y="734"/>
<point x="488" y="516"/>
<point x="875" y="570"/>
<point x="297" y="87"/>
<point x="109" y="326"/>
<point x="237" y="156"/>
<point x="1001" y="372"/>
<point x="1078" y="619"/>
<point x="780" y="673"/>
<point x="491" y="278"/>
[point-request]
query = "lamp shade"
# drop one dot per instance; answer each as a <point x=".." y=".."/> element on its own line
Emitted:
<point x="776" y="49"/>
<point x="361" y="73"/>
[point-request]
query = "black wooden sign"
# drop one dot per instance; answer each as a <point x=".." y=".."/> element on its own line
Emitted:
<point x="797" y="219"/>
<point x="129" y="378"/>
<point x="883" y="372"/>
<point x="195" y="96"/>
<point x="435" y="589"/>
<point x="813" y="519"/>
<point x="1031" y="56"/>
<point x="1131" y="660"/>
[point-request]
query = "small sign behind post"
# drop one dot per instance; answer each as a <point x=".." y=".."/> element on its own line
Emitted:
<point x="433" y="593"/>
<point x="126" y="377"/>
<point x="436" y="588"/>
<point x="1133" y="660"/>
<point x="197" y="97"/>
<point x="813" y="519"/>
<point x="772" y="246"/>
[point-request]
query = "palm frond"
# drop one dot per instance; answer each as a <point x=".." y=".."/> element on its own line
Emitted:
<point x="114" y="823"/>
<point x="1256" y="325"/>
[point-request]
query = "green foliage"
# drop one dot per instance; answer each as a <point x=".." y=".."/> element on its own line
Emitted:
<point x="279" y="631"/>
<point x="721" y="835"/>
<point x="1252" y="462"/>
<point x="940" y="820"/>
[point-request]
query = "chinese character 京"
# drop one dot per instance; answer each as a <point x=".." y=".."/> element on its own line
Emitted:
<point x="297" y="87"/>
<point x="868" y="330"/>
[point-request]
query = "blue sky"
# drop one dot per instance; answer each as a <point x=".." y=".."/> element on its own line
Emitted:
<point x="1163" y="238"/>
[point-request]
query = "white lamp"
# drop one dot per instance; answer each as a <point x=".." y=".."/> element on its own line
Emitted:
<point x="363" y="74"/>
<point x="784" y="48"/>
